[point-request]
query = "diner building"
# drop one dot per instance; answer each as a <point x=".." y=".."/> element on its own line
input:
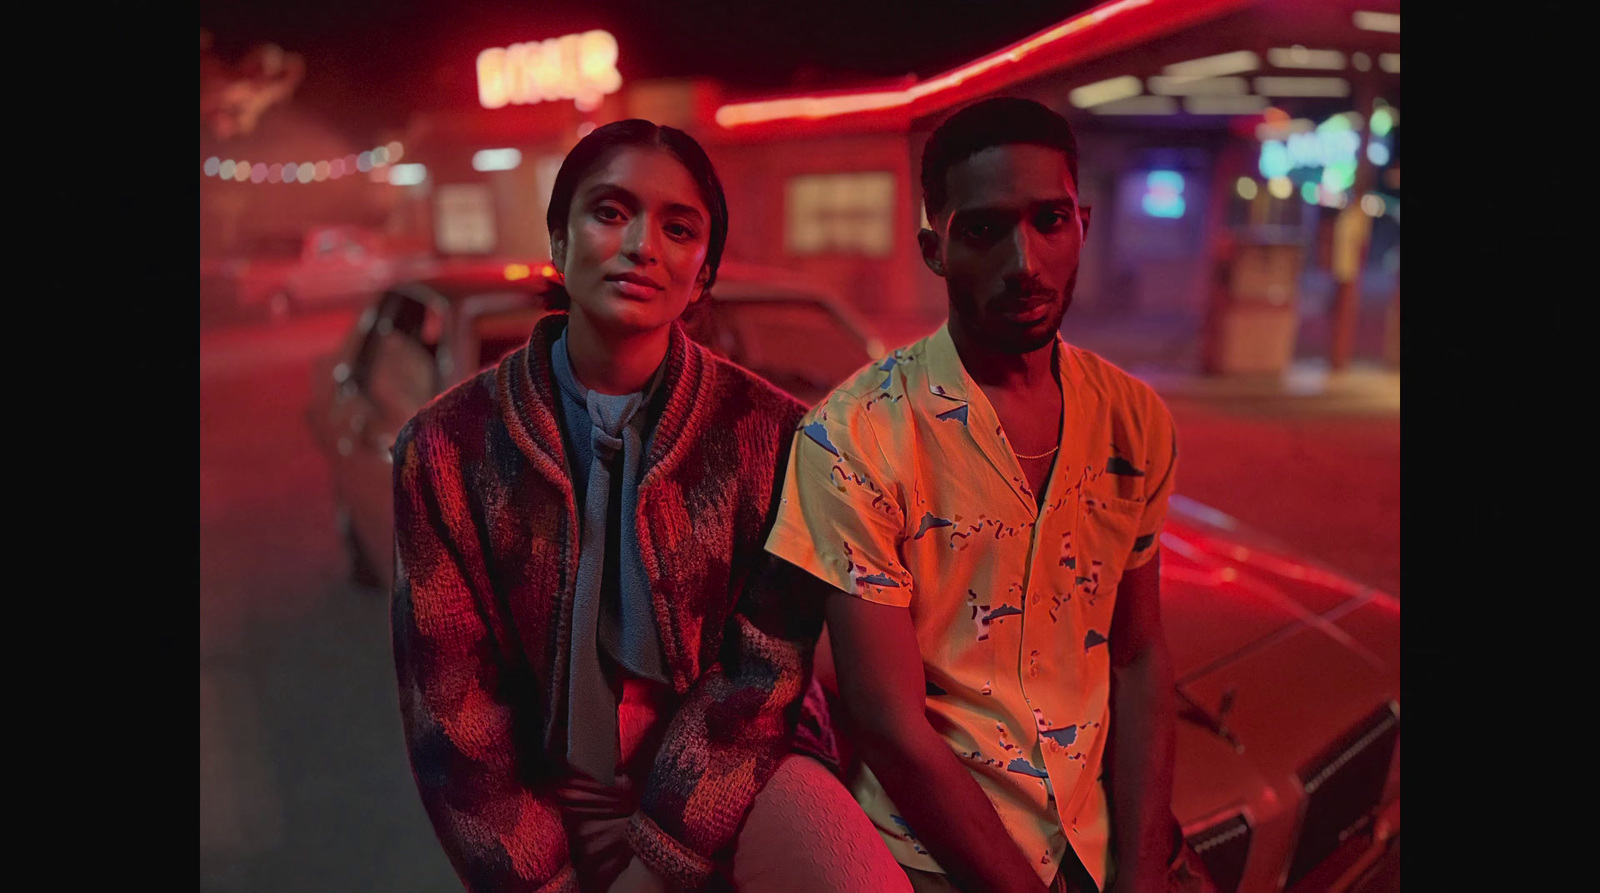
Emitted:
<point x="1241" y="158"/>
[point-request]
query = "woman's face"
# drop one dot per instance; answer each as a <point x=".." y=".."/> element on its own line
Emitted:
<point x="634" y="251"/>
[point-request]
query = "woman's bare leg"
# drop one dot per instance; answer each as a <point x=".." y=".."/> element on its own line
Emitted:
<point x="806" y="834"/>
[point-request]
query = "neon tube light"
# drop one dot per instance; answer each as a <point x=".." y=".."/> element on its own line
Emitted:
<point x="814" y="107"/>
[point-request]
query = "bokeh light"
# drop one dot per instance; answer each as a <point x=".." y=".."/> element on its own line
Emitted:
<point x="1373" y="204"/>
<point x="1310" y="193"/>
<point x="1246" y="187"/>
<point x="1274" y="159"/>
<point x="1164" y="194"/>
<point x="1382" y="122"/>
<point x="1378" y="153"/>
<point x="1339" y="175"/>
<point x="407" y="174"/>
<point x="1280" y="187"/>
<point x="243" y="171"/>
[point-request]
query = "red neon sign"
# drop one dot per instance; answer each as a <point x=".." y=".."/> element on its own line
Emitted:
<point x="828" y="106"/>
<point x="579" y="67"/>
<point x="1111" y="24"/>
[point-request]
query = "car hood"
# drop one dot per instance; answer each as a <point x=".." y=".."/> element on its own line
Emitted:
<point x="1229" y="591"/>
<point x="1274" y="656"/>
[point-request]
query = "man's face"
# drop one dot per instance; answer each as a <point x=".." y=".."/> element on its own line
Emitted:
<point x="1007" y="243"/>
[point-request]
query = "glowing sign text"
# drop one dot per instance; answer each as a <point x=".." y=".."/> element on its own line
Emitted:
<point x="579" y="67"/>
<point x="1163" y="195"/>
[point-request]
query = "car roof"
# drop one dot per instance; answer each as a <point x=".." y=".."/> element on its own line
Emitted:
<point x="749" y="283"/>
<point x="456" y="282"/>
<point x="755" y="279"/>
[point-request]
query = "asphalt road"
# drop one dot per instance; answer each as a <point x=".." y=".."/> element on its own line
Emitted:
<point x="304" y="781"/>
<point x="304" y="784"/>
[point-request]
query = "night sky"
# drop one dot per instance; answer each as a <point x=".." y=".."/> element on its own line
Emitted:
<point x="369" y="63"/>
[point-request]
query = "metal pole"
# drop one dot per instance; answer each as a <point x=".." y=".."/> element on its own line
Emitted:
<point x="1351" y="239"/>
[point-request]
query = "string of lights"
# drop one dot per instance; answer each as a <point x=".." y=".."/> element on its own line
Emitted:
<point x="245" y="171"/>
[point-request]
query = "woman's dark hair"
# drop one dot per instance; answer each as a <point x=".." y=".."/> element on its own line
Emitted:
<point x="598" y="147"/>
<point x="999" y="121"/>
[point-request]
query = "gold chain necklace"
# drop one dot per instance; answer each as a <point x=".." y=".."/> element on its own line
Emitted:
<point x="1041" y="455"/>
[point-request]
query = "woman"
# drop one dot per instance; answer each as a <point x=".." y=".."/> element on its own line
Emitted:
<point x="601" y="676"/>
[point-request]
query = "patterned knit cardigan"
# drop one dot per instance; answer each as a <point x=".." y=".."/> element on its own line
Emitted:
<point x="487" y="559"/>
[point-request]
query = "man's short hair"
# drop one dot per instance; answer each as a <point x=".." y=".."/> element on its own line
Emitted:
<point x="1000" y="121"/>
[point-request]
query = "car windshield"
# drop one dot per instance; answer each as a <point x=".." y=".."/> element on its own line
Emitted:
<point x="503" y="331"/>
<point x="795" y="343"/>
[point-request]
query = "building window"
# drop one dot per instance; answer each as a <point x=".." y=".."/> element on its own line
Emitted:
<point x="464" y="219"/>
<point x="840" y="214"/>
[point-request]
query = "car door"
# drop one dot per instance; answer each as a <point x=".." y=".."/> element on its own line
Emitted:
<point x="794" y="341"/>
<point x="492" y="326"/>
<point x="394" y="374"/>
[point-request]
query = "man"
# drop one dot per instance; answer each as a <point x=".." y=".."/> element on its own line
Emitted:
<point x="981" y="514"/>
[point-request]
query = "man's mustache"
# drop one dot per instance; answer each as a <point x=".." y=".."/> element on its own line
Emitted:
<point x="1030" y="291"/>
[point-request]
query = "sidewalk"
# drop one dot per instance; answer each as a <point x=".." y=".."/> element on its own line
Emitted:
<point x="1165" y="352"/>
<point x="1311" y="457"/>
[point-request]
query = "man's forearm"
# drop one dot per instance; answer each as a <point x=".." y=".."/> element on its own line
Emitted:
<point x="946" y="809"/>
<point x="1140" y="771"/>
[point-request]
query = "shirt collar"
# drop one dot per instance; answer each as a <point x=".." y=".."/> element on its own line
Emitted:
<point x="954" y="397"/>
<point x="947" y="378"/>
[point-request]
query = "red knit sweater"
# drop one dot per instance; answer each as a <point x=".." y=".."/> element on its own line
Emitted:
<point x="487" y="553"/>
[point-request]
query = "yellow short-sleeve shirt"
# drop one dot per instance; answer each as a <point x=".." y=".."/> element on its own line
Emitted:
<point x="902" y="490"/>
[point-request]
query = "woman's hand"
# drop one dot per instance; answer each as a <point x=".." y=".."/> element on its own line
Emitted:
<point x="638" y="878"/>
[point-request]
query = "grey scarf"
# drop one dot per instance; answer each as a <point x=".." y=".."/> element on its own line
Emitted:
<point x="611" y="608"/>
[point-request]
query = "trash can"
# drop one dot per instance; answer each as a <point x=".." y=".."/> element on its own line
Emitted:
<point x="1254" y="313"/>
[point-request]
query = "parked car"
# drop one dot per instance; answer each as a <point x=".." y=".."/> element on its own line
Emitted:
<point x="1288" y="681"/>
<point x="278" y="273"/>
<point x="1287" y="766"/>
<point x="788" y="330"/>
<point x="420" y="338"/>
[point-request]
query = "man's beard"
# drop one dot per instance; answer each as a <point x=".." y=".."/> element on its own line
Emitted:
<point x="997" y="334"/>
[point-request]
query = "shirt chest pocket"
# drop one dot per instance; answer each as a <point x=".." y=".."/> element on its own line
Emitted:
<point x="1107" y="527"/>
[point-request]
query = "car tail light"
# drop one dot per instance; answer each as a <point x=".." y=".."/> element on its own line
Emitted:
<point x="1343" y="785"/>
<point x="1223" y="848"/>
